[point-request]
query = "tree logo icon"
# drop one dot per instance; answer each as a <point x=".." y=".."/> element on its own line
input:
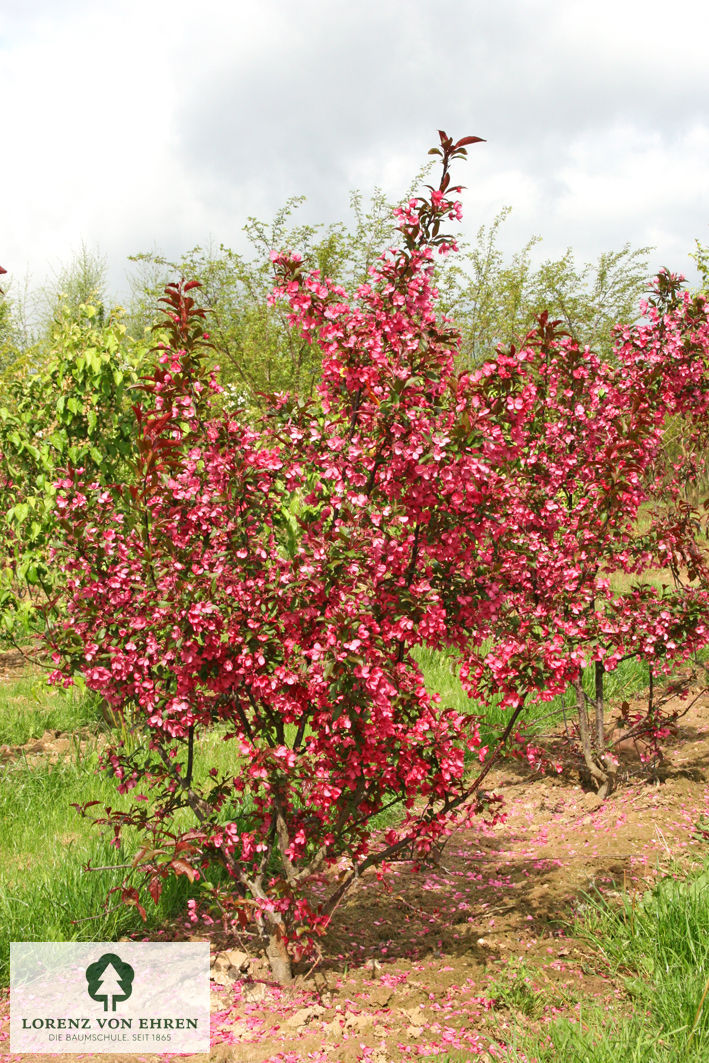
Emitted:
<point x="109" y="980"/>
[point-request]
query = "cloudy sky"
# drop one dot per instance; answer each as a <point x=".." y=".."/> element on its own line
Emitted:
<point x="135" y="125"/>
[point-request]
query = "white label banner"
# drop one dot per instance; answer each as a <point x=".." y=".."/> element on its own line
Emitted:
<point x="125" y="996"/>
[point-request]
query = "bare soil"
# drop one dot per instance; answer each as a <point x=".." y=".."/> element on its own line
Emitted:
<point x="14" y="663"/>
<point x="419" y="964"/>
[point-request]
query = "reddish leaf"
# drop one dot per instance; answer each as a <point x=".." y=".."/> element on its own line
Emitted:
<point x="130" y="896"/>
<point x="155" y="888"/>
<point x="181" y="867"/>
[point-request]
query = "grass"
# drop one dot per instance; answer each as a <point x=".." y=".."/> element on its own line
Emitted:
<point x="458" y="1056"/>
<point x="656" y="947"/>
<point x="29" y="707"/>
<point x="44" y="893"/>
<point x="515" y="989"/>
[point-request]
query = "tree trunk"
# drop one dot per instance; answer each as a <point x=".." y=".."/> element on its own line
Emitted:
<point x="276" y="948"/>
<point x="608" y="765"/>
<point x="598" y="701"/>
<point x="599" y="777"/>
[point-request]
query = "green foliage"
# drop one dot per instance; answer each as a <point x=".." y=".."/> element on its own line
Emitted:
<point x="73" y="410"/>
<point x="32" y="321"/>
<point x="257" y="350"/>
<point x="80" y="283"/>
<point x="495" y="301"/>
<point x="487" y="296"/>
<point x="17" y="352"/>
<point x="701" y="258"/>
<point x="591" y="299"/>
<point x="5" y="334"/>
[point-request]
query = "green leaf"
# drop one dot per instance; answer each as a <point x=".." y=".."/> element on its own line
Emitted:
<point x="93" y="361"/>
<point x="18" y="513"/>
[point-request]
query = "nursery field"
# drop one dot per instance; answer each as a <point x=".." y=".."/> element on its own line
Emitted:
<point x="572" y="923"/>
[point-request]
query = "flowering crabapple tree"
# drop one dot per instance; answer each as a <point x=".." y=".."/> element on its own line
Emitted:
<point x="268" y="586"/>
<point x="585" y="496"/>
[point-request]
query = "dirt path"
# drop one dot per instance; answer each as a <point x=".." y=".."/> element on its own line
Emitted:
<point x="419" y="964"/>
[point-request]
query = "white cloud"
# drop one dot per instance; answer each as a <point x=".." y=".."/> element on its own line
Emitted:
<point x="138" y="125"/>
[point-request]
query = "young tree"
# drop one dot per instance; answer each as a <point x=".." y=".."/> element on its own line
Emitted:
<point x="74" y="409"/>
<point x="80" y="283"/>
<point x="16" y="353"/>
<point x="270" y="582"/>
<point x="701" y="259"/>
<point x="4" y="324"/>
<point x="586" y="496"/>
